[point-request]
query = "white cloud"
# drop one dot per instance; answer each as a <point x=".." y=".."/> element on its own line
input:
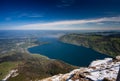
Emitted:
<point x="69" y="24"/>
<point x="100" y="23"/>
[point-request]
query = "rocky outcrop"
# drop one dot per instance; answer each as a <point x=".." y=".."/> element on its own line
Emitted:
<point x="118" y="58"/>
<point x="99" y="70"/>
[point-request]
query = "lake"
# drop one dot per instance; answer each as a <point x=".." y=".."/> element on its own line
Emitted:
<point x="72" y="54"/>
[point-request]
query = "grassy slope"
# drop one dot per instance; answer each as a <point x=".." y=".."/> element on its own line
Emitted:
<point x="5" y="67"/>
<point x="104" y="44"/>
<point x="31" y="67"/>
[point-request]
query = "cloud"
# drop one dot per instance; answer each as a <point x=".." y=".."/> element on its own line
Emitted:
<point x="100" y="23"/>
<point x="65" y="3"/>
<point x="30" y="15"/>
<point x="71" y="24"/>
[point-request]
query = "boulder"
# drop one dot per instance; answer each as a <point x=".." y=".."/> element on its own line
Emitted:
<point x="118" y="58"/>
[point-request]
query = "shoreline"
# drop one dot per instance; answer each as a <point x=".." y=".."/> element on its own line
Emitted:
<point x="89" y="48"/>
<point x="26" y="50"/>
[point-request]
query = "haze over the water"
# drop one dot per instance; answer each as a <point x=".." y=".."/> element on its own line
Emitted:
<point x="59" y="15"/>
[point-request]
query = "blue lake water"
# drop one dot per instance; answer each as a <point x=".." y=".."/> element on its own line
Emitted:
<point x="72" y="54"/>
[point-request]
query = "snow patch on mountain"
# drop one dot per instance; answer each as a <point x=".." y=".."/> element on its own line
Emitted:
<point x="98" y="70"/>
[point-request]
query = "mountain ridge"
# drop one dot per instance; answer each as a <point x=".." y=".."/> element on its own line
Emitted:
<point x="99" y="70"/>
<point x="105" y="44"/>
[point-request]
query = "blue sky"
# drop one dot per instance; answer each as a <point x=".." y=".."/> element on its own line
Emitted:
<point x="60" y="14"/>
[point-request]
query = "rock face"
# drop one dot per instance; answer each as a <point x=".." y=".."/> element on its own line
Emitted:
<point x="99" y="70"/>
<point x="118" y="58"/>
<point x="118" y="77"/>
